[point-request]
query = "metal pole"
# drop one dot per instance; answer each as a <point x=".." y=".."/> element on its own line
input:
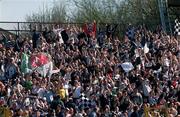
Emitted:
<point x="18" y="29"/>
<point x="169" y="21"/>
<point x="161" y="11"/>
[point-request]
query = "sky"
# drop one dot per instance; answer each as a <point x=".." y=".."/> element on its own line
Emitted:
<point x="16" y="10"/>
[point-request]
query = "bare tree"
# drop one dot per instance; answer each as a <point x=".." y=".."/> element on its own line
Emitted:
<point x="55" y="14"/>
<point x="120" y="12"/>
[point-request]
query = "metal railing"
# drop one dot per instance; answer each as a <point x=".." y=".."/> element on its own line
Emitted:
<point x="28" y="26"/>
<point x="19" y="27"/>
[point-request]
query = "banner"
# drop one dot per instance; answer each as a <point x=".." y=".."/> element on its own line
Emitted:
<point x="177" y="28"/>
<point x="90" y="29"/>
<point x="25" y="63"/>
<point x="45" y="70"/>
<point x="40" y="62"/>
<point x="146" y="49"/>
<point x="127" y="66"/>
<point x="39" y="59"/>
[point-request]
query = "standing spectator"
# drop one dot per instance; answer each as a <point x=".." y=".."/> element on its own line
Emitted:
<point x="135" y="112"/>
<point x="11" y="69"/>
<point x="35" y="38"/>
<point x="90" y="77"/>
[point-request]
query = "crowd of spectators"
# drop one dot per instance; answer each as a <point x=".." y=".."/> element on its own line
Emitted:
<point x="91" y="81"/>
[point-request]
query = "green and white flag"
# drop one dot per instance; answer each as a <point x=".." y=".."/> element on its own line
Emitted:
<point x="25" y="63"/>
<point x="40" y="62"/>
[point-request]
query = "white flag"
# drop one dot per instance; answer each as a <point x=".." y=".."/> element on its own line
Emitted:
<point x="146" y="49"/>
<point x="127" y="66"/>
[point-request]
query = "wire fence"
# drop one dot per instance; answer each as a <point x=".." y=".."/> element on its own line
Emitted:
<point x="19" y="28"/>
